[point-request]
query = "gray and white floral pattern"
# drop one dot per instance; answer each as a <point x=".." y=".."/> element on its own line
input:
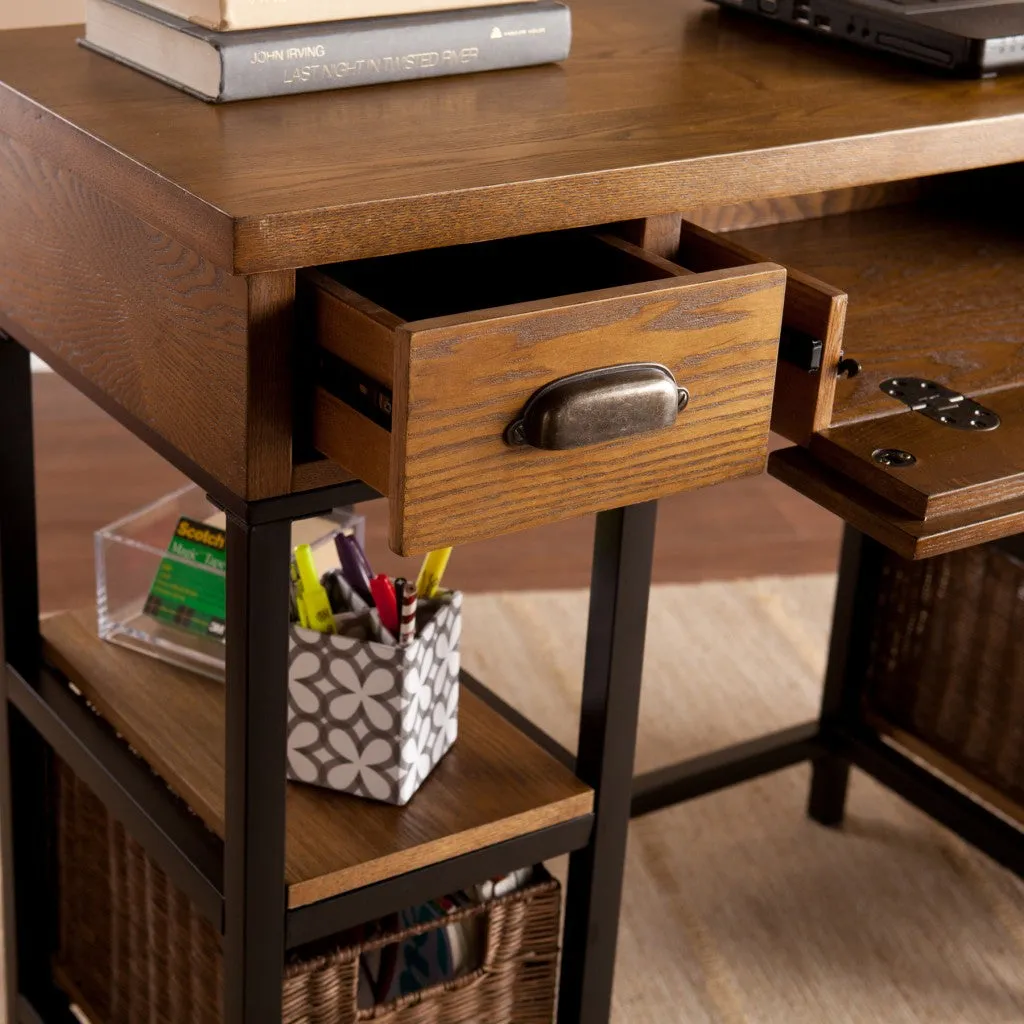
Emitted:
<point x="370" y="719"/>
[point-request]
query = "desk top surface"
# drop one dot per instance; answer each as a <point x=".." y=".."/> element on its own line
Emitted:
<point x="664" y="105"/>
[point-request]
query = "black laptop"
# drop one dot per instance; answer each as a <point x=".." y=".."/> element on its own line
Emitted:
<point x="967" y="37"/>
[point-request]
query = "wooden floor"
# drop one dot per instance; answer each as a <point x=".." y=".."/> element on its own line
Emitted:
<point x="91" y="471"/>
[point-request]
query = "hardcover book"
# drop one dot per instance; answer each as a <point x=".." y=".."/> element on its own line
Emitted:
<point x="233" y="15"/>
<point x="226" y="66"/>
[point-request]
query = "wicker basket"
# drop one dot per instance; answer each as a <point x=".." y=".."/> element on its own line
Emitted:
<point x="133" y="950"/>
<point x="947" y="660"/>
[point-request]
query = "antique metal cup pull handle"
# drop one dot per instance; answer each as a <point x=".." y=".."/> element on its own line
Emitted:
<point x="599" y="405"/>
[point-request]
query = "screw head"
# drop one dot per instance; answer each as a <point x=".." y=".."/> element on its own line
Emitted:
<point x="897" y="458"/>
<point x="515" y="435"/>
<point x="848" y="368"/>
<point x="684" y="399"/>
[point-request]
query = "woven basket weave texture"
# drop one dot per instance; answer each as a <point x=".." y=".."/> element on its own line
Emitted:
<point x="947" y="664"/>
<point x="133" y="949"/>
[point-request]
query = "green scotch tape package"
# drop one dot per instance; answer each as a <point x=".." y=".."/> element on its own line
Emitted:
<point x="189" y="588"/>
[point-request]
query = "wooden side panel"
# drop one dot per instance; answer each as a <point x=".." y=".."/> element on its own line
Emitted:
<point x="658" y="235"/>
<point x="956" y="470"/>
<point x="105" y="298"/>
<point x="460" y="382"/>
<point x="890" y="525"/>
<point x="269" y="424"/>
<point x="358" y="444"/>
<point x="352" y="327"/>
<point x="803" y="401"/>
<point x="310" y="476"/>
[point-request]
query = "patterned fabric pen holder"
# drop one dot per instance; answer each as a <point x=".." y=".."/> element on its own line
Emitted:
<point x="373" y="719"/>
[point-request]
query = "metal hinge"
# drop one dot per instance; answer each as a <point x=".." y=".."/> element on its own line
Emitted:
<point x="941" y="404"/>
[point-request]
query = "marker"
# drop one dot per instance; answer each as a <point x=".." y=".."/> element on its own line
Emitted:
<point x="383" y="592"/>
<point x="407" y="630"/>
<point x="354" y="565"/>
<point x="300" y="605"/>
<point x="433" y="569"/>
<point x="314" y="596"/>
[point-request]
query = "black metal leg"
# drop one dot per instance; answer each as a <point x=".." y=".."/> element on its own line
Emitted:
<point x="26" y="774"/>
<point x="257" y="708"/>
<point x="830" y="780"/>
<point x="620" y="588"/>
<point x="859" y="573"/>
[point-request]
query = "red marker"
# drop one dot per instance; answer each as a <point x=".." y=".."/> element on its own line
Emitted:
<point x="383" y="591"/>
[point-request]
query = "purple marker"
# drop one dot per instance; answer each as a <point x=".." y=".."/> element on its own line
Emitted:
<point x="354" y="565"/>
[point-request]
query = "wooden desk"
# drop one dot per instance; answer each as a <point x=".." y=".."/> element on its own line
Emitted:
<point x="155" y="251"/>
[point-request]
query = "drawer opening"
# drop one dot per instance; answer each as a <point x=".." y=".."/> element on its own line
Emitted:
<point x="935" y="289"/>
<point x="483" y="275"/>
<point x="360" y="307"/>
<point x="491" y="387"/>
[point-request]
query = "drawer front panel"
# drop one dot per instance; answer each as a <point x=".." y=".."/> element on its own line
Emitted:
<point x="461" y="381"/>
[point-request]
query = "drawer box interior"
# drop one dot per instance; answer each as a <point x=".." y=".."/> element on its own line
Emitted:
<point x="935" y="286"/>
<point x="428" y="359"/>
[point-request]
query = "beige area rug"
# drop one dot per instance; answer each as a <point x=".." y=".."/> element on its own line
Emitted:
<point x="738" y="910"/>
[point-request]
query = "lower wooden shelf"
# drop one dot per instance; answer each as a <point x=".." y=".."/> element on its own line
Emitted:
<point x="495" y="784"/>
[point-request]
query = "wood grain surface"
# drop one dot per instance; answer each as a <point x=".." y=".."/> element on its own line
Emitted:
<point x="453" y="479"/>
<point x="956" y="470"/>
<point x="658" y="235"/>
<point x="352" y="440"/>
<point x="759" y="213"/>
<point x="493" y="785"/>
<point x="314" y="474"/>
<point x="897" y="529"/>
<point x="102" y="296"/>
<point x="663" y="106"/>
<point x="269" y="419"/>
<point x="351" y="326"/>
<point x="493" y="336"/>
<point x="935" y="289"/>
<point x="802" y="403"/>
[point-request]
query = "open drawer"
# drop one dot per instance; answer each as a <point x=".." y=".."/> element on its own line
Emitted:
<point x="924" y="448"/>
<point x="492" y="387"/>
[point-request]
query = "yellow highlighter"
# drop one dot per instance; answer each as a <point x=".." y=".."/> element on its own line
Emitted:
<point x="433" y="569"/>
<point x="300" y="605"/>
<point x="313" y="598"/>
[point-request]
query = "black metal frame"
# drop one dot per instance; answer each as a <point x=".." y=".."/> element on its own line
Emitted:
<point x="616" y="631"/>
<point x="26" y="814"/>
<point x="238" y="884"/>
<point x="840" y="738"/>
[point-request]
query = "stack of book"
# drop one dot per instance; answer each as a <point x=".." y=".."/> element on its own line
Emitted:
<point x="222" y="50"/>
